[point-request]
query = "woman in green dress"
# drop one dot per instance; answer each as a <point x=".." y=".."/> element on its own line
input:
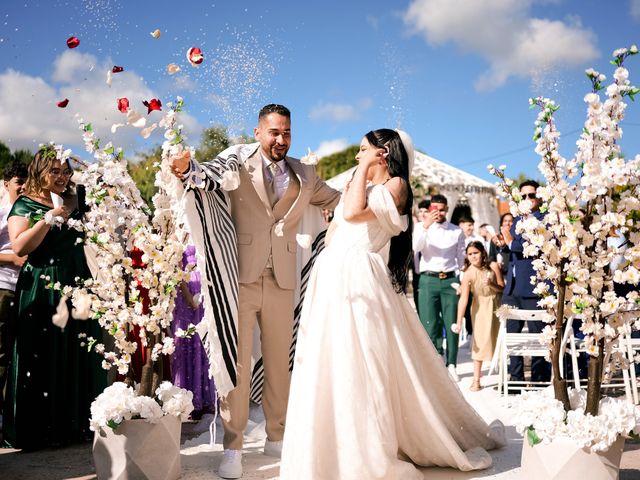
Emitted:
<point x="53" y="378"/>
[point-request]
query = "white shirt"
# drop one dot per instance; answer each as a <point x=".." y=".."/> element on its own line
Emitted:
<point x="8" y="271"/>
<point x="282" y="178"/>
<point x="441" y="245"/>
<point x="475" y="238"/>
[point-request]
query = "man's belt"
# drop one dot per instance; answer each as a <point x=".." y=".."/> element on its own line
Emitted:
<point x="441" y="275"/>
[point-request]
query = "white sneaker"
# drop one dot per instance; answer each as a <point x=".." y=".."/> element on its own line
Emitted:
<point x="273" y="449"/>
<point x="452" y="372"/>
<point x="231" y="464"/>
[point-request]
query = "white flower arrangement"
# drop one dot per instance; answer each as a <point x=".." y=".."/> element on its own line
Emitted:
<point x="587" y="201"/>
<point x="119" y="402"/>
<point x="543" y="418"/>
<point x="117" y="226"/>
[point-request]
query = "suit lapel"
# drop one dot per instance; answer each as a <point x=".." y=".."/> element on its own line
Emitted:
<point x="295" y="170"/>
<point x="256" y="172"/>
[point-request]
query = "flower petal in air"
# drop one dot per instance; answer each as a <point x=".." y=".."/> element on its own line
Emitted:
<point x="311" y="158"/>
<point x="173" y="68"/>
<point x="304" y="240"/>
<point x="135" y="119"/>
<point x="61" y="316"/>
<point x="73" y="42"/>
<point x="146" y="132"/>
<point x="116" y="126"/>
<point x="153" y="104"/>
<point x="230" y="180"/>
<point x="194" y="55"/>
<point x="63" y="103"/>
<point x="156" y="33"/>
<point x="117" y="69"/>
<point x="109" y="78"/>
<point x="123" y="104"/>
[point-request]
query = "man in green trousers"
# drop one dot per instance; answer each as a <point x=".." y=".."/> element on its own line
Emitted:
<point x="441" y="245"/>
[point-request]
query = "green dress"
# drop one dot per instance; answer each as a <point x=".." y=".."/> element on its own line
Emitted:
<point x="52" y="379"/>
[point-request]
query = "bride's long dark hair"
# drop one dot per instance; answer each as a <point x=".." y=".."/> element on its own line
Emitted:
<point x="400" y="251"/>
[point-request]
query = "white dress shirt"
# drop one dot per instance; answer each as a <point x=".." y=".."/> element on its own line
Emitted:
<point x="441" y="245"/>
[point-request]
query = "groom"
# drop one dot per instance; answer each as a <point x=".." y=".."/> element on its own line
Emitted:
<point x="266" y="208"/>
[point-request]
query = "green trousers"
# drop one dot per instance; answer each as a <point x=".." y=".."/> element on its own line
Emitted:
<point x="438" y="309"/>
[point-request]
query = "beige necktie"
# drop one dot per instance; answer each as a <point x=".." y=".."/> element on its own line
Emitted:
<point x="272" y="188"/>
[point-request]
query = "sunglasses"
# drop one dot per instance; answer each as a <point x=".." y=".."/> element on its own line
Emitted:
<point x="530" y="196"/>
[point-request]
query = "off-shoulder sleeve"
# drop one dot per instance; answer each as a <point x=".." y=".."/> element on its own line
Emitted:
<point x="382" y="204"/>
<point x="20" y="208"/>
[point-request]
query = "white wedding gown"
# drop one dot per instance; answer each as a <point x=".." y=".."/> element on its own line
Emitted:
<point x="370" y="397"/>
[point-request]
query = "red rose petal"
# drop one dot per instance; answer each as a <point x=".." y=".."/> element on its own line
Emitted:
<point x="123" y="104"/>
<point x="153" y="104"/>
<point x="117" y="69"/>
<point x="73" y="42"/>
<point x="194" y="55"/>
<point x="63" y="103"/>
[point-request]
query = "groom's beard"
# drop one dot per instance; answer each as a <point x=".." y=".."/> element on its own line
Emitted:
<point x="277" y="154"/>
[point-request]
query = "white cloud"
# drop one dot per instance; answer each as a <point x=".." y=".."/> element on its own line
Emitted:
<point x="29" y="115"/>
<point x="635" y="9"/>
<point x="504" y="33"/>
<point x="340" y="112"/>
<point x="328" y="147"/>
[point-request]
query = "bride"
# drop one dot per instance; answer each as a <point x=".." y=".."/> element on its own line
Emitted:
<point x="370" y="397"/>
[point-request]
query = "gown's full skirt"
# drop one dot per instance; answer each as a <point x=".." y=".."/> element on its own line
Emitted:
<point x="370" y="397"/>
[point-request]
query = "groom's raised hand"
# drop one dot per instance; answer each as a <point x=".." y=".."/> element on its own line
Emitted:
<point x="180" y="163"/>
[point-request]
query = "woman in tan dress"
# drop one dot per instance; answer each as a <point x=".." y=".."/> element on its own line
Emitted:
<point x="484" y="280"/>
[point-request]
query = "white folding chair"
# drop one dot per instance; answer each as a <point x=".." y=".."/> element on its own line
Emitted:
<point x="633" y="348"/>
<point x="625" y="346"/>
<point x="523" y="344"/>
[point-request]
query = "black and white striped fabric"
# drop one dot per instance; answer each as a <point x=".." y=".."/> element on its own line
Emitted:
<point x="208" y="216"/>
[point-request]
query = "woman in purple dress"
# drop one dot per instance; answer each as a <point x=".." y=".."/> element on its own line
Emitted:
<point x="189" y="362"/>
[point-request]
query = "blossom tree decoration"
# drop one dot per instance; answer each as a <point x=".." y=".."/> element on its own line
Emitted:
<point x="118" y="222"/>
<point x="587" y="201"/>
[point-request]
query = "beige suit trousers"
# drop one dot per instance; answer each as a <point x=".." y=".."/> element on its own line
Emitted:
<point x="264" y="302"/>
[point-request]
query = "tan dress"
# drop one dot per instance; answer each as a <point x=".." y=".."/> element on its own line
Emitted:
<point x="483" y="318"/>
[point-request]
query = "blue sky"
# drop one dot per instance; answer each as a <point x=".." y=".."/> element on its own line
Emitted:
<point x="455" y="74"/>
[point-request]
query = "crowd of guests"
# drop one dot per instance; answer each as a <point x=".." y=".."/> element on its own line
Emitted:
<point x="461" y="277"/>
<point x="48" y="378"/>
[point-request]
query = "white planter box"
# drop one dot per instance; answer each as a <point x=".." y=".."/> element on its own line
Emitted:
<point x="139" y="450"/>
<point x="562" y="460"/>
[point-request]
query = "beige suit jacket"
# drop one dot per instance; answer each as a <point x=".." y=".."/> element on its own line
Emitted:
<point x="263" y="231"/>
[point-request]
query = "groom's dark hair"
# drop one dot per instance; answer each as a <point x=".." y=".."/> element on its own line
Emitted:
<point x="274" y="108"/>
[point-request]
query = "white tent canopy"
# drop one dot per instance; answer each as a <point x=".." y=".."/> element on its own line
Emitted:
<point x="457" y="185"/>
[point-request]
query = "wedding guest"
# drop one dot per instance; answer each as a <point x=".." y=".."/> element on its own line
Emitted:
<point x="189" y="362"/>
<point x="14" y="175"/>
<point x="442" y="247"/>
<point x="423" y="209"/>
<point x="370" y="398"/>
<point x="53" y="379"/>
<point x="518" y="291"/>
<point x="487" y="232"/>
<point x="467" y="225"/>
<point x="501" y="248"/>
<point x="484" y="280"/>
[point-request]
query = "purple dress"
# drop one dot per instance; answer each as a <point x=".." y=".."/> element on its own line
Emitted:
<point x="189" y="362"/>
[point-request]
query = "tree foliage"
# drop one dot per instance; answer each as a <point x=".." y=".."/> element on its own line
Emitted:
<point x="338" y="162"/>
<point x="7" y="157"/>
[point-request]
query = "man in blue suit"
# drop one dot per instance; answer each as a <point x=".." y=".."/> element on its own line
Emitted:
<point x="518" y="291"/>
